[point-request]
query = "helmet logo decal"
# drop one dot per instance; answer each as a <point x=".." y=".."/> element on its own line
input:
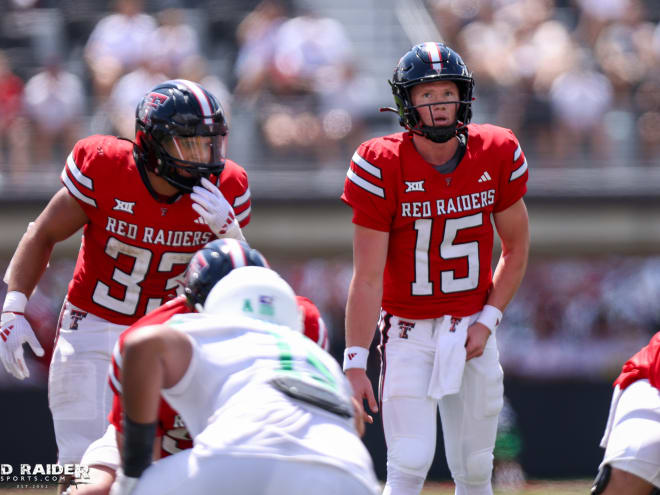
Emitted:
<point x="151" y="101"/>
<point x="247" y="306"/>
<point x="435" y="57"/>
<point x="266" y="305"/>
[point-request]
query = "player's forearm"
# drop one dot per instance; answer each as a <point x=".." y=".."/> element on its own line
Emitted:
<point x="508" y="275"/>
<point x="142" y="377"/>
<point x="28" y="263"/>
<point x="364" y="300"/>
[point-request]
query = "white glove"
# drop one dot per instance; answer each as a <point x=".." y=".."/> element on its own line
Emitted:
<point x="215" y="210"/>
<point x="123" y="485"/>
<point x="15" y="331"/>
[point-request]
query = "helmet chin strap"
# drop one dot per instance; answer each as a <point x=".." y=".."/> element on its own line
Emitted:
<point x="439" y="133"/>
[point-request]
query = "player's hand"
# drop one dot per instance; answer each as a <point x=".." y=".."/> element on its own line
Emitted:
<point x="477" y="337"/>
<point x="123" y="485"/>
<point x="215" y="210"/>
<point x="362" y="389"/>
<point x="360" y="416"/>
<point x="14" y="332"/>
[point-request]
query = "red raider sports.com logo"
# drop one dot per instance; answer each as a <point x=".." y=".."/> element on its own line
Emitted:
<point x="42" y="475"/>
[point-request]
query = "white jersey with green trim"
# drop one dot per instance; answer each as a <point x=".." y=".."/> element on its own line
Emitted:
<point x="254" y="388"/>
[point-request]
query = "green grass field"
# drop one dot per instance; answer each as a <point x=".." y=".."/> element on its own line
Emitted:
<point x="539" y="487"/>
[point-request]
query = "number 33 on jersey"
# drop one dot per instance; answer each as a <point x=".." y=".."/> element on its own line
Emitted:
<point x="134" y="249"/>
<point x="441" y="235"/>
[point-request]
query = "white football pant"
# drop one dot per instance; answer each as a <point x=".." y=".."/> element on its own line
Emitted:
<point x="200" y="473"/>
<point x="78" y="392"/>
<point x="469" y="418"/>
<point x="632" y="437"/>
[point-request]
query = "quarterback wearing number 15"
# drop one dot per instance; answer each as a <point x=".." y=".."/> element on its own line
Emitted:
<point x="424" y="202"/>
<point x="146" y="207"/>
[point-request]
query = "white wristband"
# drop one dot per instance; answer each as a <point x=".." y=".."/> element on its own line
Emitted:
<point x="490" y="317"/>
<point x="15" y="302"/>
<point x="355" y="357"/>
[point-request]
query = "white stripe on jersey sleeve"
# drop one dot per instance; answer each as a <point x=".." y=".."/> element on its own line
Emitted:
<point x="115" y="383"/>
<point x="243" y="215"/>
<point x="367" y="186"/>
<point x="111" y="371"/>
<point x="117" y="355"/>
<point x="519" y="171"/>
<point x="366" y="166"/>
<point x="75" y="171"/>
<point x="323" y="334"/>
<point x="517" y="154"/>
<point x="242" y="199"/>
<point x="74" y="190"/>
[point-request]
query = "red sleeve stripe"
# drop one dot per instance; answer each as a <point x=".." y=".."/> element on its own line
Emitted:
<point x="242" y="199"/>
<point x="367" y="186"/>
<point x="68" y="183"/>
<point x="366" y="166"/>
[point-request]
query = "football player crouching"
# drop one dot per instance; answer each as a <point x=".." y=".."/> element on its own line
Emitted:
<point x="205" y="269"/>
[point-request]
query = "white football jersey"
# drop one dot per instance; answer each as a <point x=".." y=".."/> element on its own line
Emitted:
<point x="255" y="388"/>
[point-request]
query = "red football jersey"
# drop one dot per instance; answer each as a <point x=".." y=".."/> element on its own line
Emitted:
<point x="644" y="364"/>
<point x="441" y="236"/>
<point x="134" y="248"/>
<point x="170" y="426"/>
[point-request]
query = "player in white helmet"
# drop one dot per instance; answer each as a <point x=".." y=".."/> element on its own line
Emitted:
<point x="269" y="411"/>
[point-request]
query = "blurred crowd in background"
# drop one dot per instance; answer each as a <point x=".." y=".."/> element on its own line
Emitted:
<point x="577" y="80"/>
<point x="302" y="81"/>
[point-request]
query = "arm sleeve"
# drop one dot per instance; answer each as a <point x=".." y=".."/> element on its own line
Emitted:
<point x="78" y="176"/>
<point x="514" y="175"/>
<point x="234" y="186"/>
<point x="366" y="190"/>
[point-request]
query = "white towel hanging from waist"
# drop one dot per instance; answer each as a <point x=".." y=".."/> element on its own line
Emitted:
<point x="447" y="375"/>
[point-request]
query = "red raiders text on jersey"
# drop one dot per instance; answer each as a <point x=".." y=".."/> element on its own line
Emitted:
<point x="134" y="249"/>
<point x="441" y="236"/>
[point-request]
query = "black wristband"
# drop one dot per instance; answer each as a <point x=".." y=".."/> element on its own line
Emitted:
<point x="138" y="446"/>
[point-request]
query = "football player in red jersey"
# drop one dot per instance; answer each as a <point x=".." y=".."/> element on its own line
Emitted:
<point x="631" y="463"/>
<point x="208" y="265"/>
<point x="422" y="205"/>
<point x="145" y="207"/>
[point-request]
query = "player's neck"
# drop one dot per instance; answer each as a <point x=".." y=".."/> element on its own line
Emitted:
<point x="435" y="153"/>
<point x="161" y="186"/>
